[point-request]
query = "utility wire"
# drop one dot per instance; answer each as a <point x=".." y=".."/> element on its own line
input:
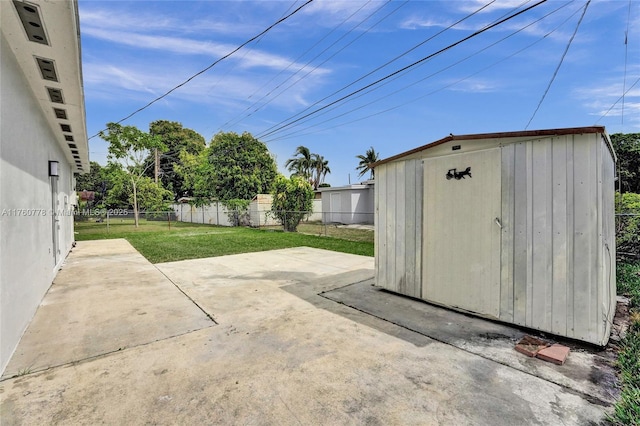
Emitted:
<point x="264" y="134"/>
<point x="555" y="73"/>
<point x="626" y="46"/>
<point x="381" y="66"/>
<point x="297" y="133"/>
<point x="240" y="116"/>
<point x="334" y="54"/>
<point x="269" y="28"/>
<point x="430" y="75"/>
<point x="619" y="99"/>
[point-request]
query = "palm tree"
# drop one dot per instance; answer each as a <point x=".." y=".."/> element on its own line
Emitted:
<point x="301" y="163"/>
<point x="366" y="160"/>
<point x="320" y="168"/>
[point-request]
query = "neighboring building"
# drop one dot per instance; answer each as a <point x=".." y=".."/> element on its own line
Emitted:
<point x="43" y="143"/>
<point x="517" y="227"/>
<point x="348" y="204"/>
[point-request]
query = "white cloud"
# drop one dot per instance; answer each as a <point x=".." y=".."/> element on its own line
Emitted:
<point x="186" y="46"/>
<point x="473" y="85"/>
<point x="154" y="22"/>
<point x="113" y="83"/>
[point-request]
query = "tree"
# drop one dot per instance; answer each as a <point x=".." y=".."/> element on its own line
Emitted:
<point x="301" y="163"/>
<point x="320" y="170"/>
<point x="129" y="147"/>
<point x="176" y="139"/>
<point x="292" y="201"/>
<point x="366" y="160"/>
<point x="309" y="166"/>
<point x="195" y="172"/>
<point x="93" y="181"/>
<point x="241" y="167"/>
<point x="627" y="148"/>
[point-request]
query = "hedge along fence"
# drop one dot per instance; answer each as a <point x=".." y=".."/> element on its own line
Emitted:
<point x="257" y="214"/>
<point x="628" y="225"/>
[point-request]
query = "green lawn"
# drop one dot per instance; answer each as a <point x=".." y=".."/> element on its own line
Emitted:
<point x="627" y="409"/>
<point x="159" y="243"/>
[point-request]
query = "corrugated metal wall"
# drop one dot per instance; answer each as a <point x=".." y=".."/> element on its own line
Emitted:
<point x="399" y="208"/>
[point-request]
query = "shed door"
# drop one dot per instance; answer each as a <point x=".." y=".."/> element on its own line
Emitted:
<point x="462" y="231"/>
<point x="336" y="207"/>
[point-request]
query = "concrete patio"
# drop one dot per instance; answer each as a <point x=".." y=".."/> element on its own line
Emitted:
<point x="294" y="336"/>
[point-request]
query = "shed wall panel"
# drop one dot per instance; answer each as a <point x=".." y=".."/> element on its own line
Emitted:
<point x="559" y="308"/>
<point x="399" y="229"/>
<point x="553" y="187"/>
<point x="507" y="235"/>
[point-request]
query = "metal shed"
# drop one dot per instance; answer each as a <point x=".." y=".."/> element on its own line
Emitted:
<point x="517" y="227"/>
<point x="348" y="204"/>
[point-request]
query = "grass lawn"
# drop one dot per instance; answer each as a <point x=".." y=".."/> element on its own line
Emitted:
<point x="159" y="243"/>
<point x="627" y="409"/>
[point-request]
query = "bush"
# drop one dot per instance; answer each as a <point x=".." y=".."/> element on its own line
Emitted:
<point x="238" y="211"/>
<point x="292" y="201"/>
<point x="628" y="226"/>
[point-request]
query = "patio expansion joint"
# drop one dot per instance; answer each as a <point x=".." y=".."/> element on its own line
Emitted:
<point x="588" y="397"/>
<point x="207" y="314"/>
<point x="102" y="355"/>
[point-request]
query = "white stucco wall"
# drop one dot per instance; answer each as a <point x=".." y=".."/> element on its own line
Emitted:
<point x="27" y="265"/>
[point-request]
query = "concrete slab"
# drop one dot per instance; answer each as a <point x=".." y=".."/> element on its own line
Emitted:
<point x="106" y="298"/>
<point x="282" y="354"/>
<point x="586" y="371"/>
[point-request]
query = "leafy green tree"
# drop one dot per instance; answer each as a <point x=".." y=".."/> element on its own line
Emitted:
<point x="627" y="148"/>
<point x="195" y="172"/>
<point x="151" y="196"/>
<point x="292" y="201"/>
<point x="241" y="167"/>
<point x="93" y="181"/>
<point x="119" y="191"/>
<point x="129" y="147"/>
<point x="176" y="139"/>
<point x="366" y="161"/>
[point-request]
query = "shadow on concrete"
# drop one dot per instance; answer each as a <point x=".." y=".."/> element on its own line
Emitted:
<point x="586" y="372"/>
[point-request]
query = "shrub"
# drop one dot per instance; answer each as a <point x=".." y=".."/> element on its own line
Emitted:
<point x="292" y="201"/>
<point x="628" y="225"/>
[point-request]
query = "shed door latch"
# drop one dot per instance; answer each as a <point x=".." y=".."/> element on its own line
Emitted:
<point x="498" y="223"/>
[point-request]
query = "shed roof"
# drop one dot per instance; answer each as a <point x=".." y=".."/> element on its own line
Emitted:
<point x="522" y="133"/>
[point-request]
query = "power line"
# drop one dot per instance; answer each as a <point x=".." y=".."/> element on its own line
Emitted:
<point x="619" y="99"/>
<point x="269" y="28"/>
<point x="404" y="68"/>
<point x="333" y="55"/>
<point x="297" y="133"/>
<point x="626" y="46"/>
<point x="555" y="73"/>
<point x="383" y="65"/>
<point x="238" y="118"/>
<point x="432" y="74"/>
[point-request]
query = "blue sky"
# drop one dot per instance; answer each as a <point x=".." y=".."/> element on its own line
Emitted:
<point x="133" y="52"/>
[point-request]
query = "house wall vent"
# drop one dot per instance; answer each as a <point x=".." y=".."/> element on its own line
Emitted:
<point x="55" y="95"/>
<point x="47" y="69"/>
<point x="31" y="21"/>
